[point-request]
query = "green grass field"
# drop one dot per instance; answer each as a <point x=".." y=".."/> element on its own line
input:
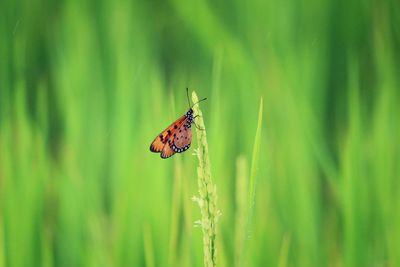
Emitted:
<point x="313" y="180"/>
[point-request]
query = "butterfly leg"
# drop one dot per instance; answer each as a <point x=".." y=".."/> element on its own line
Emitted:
<point x="198" y="128"/>
<point x="196" y="124"/>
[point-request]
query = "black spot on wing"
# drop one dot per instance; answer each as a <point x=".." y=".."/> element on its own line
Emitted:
<point x="183" y="139"/>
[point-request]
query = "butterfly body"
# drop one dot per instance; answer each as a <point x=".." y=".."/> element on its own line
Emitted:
<point x="176" y="138"/>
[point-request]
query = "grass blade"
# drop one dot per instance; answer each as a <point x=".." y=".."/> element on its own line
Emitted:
<point x="254" y="160"/>
<point x="253" y="174"/>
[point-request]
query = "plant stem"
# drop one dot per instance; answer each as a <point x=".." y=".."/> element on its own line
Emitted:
<point x="207" y="190"/>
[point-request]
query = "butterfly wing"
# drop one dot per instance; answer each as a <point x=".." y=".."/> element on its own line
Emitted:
<point x="167" y="151"/>
<point x="159" y="142"/>
<point x="182" y="138"/>
<point x="162" y="141"/>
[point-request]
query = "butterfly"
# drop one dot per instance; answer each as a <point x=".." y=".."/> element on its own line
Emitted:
<point x="177" y="137"/>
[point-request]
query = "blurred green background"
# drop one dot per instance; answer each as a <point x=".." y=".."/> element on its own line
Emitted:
<point x="85" y="86"/>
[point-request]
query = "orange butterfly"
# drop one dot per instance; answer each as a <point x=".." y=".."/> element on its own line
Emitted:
<point x="177" y="137"/>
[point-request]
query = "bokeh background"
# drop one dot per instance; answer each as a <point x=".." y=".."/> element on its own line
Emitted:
<point x="85" y="86"/>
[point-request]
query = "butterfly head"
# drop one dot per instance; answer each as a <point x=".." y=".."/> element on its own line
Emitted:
<point x="189" y="115"/>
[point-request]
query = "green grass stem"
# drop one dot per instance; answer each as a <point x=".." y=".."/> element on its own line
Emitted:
<point x="208" y="192"/>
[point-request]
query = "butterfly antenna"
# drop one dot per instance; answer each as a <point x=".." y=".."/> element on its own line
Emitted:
<point x="187" y="94"/>
<point x="199" y="101"/>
